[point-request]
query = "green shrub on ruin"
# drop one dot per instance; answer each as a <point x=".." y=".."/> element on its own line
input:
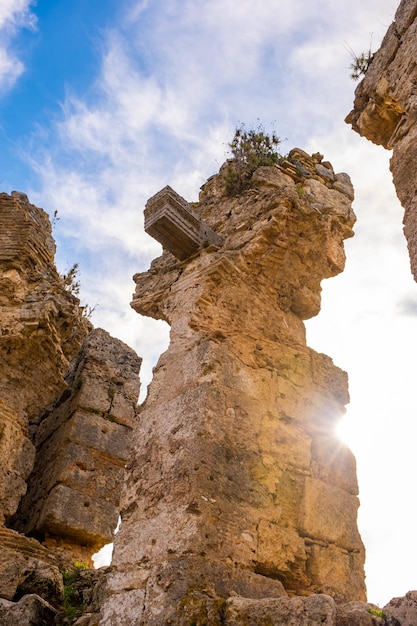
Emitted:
<point x="250" y="149"/>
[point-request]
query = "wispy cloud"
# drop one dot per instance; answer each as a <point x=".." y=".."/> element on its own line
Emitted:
<point x="408" y="305"/>
<point x="14" y="15"/>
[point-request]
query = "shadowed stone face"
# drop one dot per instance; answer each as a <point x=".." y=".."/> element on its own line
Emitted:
<point x="82" y="445"/>
<point x="237" y="483"/>
<point x="41" y="329"/>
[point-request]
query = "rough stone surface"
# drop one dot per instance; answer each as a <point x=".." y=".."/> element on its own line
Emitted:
<point x="82" y="445"/>
<point x="316" y="610"/>
<point x="385" y="111"/>
<point x="402" y="611"/>
<point x="42" y="579"/>
<point x="358" y="614"/>
<point x="31" y="610"/>
<point x="23" y="559"/>
<point x="18" y="455"/>
<point x="42" y="326"/>
<point x="235" y="451"/>
<point x="41" y="329"/>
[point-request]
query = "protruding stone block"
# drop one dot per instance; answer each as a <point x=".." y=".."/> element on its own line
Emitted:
<point x="170" y="220"/>
<point x="69" y="513"/>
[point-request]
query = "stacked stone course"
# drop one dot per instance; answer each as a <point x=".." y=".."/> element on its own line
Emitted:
<point x="67" y="407"/>
<point x="237" y="483"/>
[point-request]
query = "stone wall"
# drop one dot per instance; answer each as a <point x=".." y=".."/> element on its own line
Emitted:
<point x="67" y="409"/>
<point x="82" y="445"/>
<point x="41" y="329"/>
<point x="385" y="111"/>
<point x="237" y="483"/>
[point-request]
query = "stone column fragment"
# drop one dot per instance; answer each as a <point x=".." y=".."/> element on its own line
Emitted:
<point x="237" y="483"/>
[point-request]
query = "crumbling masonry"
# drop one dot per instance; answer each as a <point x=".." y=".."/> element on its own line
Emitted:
<point x="385" y="111"/>
<point x="67" y="407"/>
<point x="237" y="483"/>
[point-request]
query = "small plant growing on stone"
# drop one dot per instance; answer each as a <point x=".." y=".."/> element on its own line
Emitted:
<point x="71" y="604"/>
<point x="250" y="149"/>
<point x="377" y="612"/>
<point x="360" y="63"/>
<point x="89" y="310"/>
<point x="72" y="284"/>
<point x="300" y="191"/>
<point x="71" y="280"/>
<point x="111" y="392"/>
<point x="55" y="218"/>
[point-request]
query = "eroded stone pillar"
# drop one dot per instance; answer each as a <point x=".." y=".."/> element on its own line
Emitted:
<point x="237" y="482"/>
<point x="385" y="111"/>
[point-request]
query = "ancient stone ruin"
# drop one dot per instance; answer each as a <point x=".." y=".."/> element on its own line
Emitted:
<point x="239" y="503"/>
<point x="237" y="484"/>
<point x="385" y="111"/>
<point x="67" y="409"/>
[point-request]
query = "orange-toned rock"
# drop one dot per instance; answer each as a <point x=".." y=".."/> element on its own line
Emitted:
<point x="41" y="329"/>
<point x="82" y="445"/>
<point x="236" y="469"/>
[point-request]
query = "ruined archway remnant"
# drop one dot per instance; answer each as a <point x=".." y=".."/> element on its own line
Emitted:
<point x="385" y="111"/>
<point x="237" y="483"/>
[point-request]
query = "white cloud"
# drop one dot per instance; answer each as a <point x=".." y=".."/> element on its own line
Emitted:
<point x="10" y="69"/>
<point x="14" y="15"/>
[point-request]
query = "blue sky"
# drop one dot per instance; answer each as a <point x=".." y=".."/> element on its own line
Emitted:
<point x="104" y="103"/>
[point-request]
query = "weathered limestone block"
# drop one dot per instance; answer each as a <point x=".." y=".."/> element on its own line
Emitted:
<point x="22" y="558"/>
<point x="42" y="326"/>
<point x="69" y="514"/>
<point x="402" y="611"/>
<point x="312" y="611"/>
<point x="31" y="609"/>
<point x="82" y="444"/>
<point x="385" y="111"/>
<point x="43" y="579"/>
<point x="17" y="454"/>
<point x="359" y="614"/>
<point x="235" y="466"/>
